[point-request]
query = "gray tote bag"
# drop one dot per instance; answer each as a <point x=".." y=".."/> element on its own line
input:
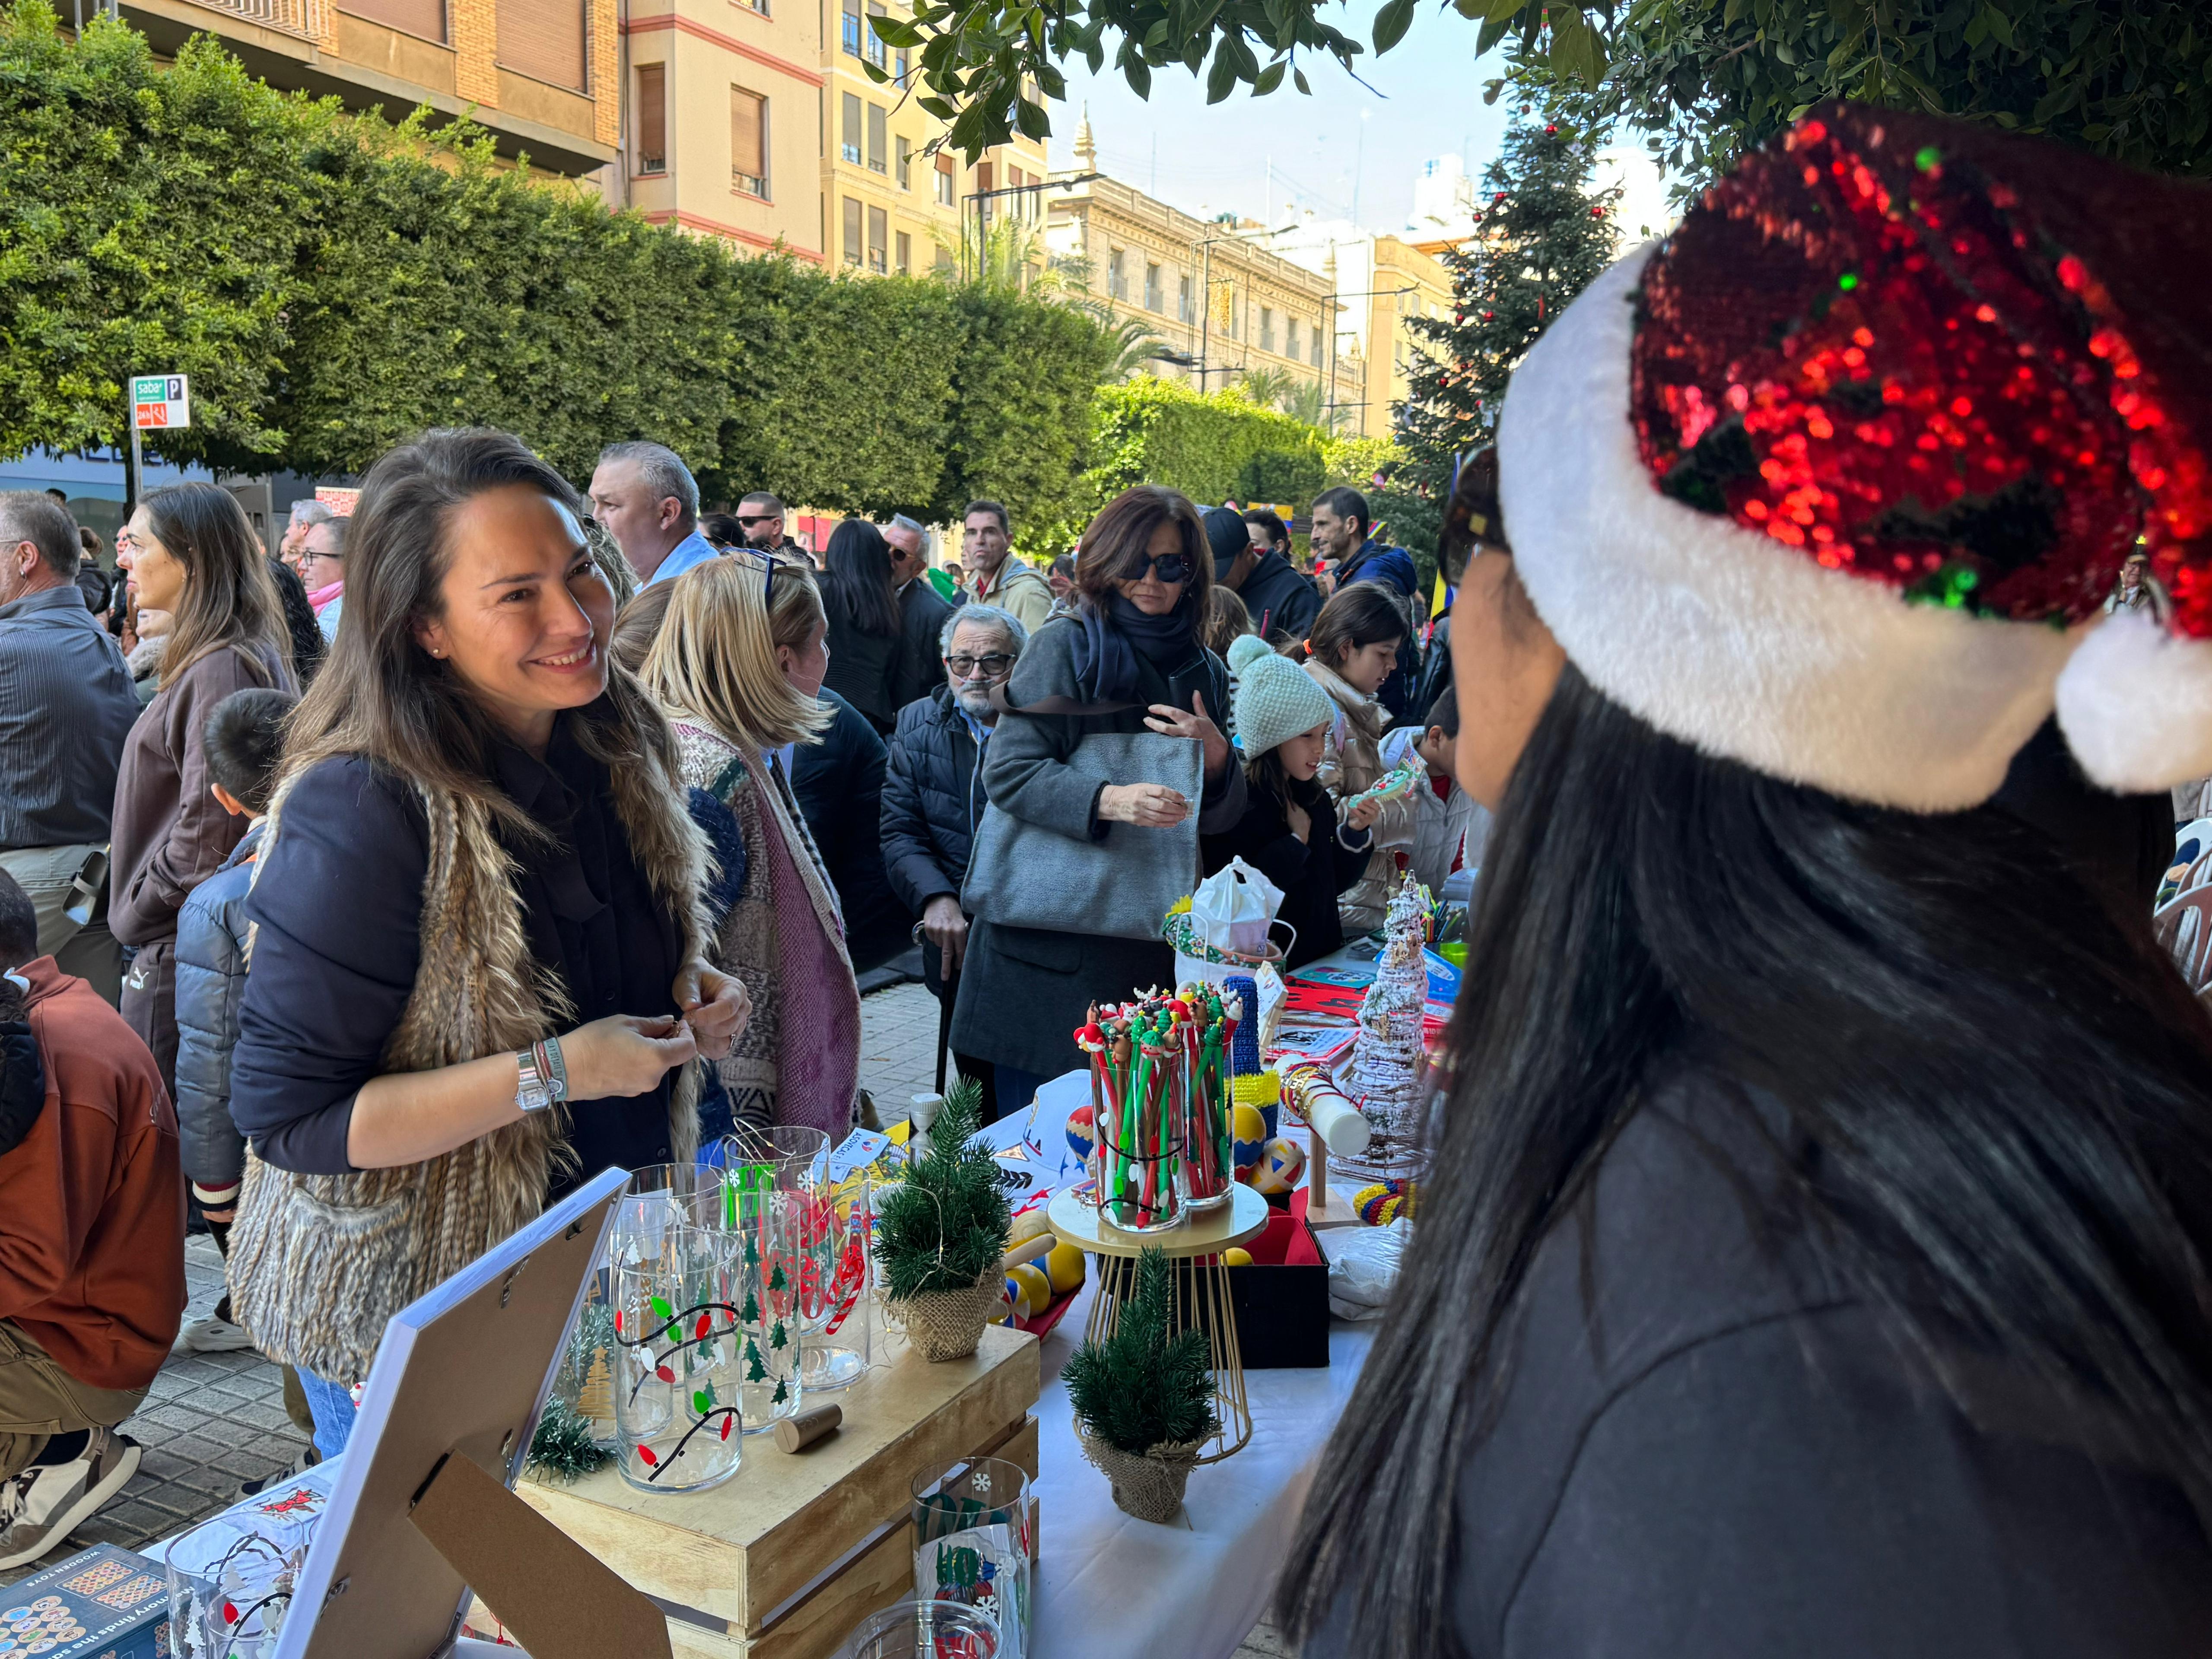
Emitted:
<point x="1023" y="875"/>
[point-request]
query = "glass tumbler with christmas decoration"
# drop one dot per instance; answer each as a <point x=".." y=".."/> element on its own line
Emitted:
<point x="767" y="1231"/>
<point x="678" y="1329"/>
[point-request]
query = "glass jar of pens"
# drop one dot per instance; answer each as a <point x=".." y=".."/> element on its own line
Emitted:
<point x="1140" y="1078"/>
<point x="1205" y="1021"/>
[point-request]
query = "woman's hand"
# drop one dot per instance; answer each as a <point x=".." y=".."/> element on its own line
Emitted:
<point x="715" y="1004"/>
<point x="624" y="1054"/>
<point x="1171" y="721"/>
<point x="1363" y="815"/>
<point x="1154" y="805"/>
<point x="1300" y="820"/>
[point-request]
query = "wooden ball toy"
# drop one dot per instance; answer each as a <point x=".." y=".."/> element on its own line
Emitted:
<point x="1236" y="1257"/>
<point x="1082" y="1133"/>
<point x="1033" y="1288"/>
<point x="1248" y="1131"/>
<point x="1064" y="1266"/>
<point x="1283" y="1162"/>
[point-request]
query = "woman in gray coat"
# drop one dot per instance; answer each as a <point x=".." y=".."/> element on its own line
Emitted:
<point x="1142" y="577"/>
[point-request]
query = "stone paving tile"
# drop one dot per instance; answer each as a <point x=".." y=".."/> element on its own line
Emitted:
<point x="898" y="1046"/>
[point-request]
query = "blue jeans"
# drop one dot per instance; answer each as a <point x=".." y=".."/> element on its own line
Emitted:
<point x="332" y="1403"/>
<point x="1017" y="1089"/>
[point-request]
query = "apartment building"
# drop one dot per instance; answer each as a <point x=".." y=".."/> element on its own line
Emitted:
<point x="1223" y="305"/>
<point x="757" y="121"/>
<point x="1383" y="281"/>
<point x="543" y="75"/>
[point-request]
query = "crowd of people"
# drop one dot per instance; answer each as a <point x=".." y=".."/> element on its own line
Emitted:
<point x="610" y="785"/>
<point x="1811" y="1253"/>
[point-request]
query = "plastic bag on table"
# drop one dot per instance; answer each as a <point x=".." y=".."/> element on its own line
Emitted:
<point x="1232" y="909"/>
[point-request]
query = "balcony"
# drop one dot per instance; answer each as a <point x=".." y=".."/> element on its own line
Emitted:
<point x="309" y="20"/>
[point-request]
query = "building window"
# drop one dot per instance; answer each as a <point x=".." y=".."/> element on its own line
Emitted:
<point x="653" y="118"/>
<point x="879" y="54"/>
<point x="1117" y="277"/>
<point x="1317" y="343"/>
<point x="902" y="156"/>
<point x="905" y="244"/>
<point x="880" y="236"/>
<point x="850" y="150"/>
<point x="878" y="138"/>
<point x="903" y="65"/>
<point x="1184" y="313"/>
<point x="748" y="142"/>
<point x="947" y="182"/>
<point x="426" y="18"/>
<point x="1290" y="338"/>
<point x="544" y="39"/>
<point x="1151" y="286"/>
<point x="852" y="27"/>
<point x="1267" y="328"/>
<point x="851" y="230"/>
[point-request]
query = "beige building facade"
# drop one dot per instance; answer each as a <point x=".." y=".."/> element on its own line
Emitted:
<point x="1384" y="282"/>
<point x="1223" y="306"/>
<point x="542" y="74"/>
<point x="757" y="121"/>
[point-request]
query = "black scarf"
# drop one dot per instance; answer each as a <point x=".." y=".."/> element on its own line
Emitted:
<point x="1113" y="639"/>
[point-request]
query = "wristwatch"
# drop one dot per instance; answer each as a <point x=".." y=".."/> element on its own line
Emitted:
<point x="541" y="1079"/>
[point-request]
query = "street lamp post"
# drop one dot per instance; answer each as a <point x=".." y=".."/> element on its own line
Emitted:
<point x="980" y="196"/>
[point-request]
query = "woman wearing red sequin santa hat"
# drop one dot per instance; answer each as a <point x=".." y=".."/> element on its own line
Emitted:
<point x="1814" y="1260"/>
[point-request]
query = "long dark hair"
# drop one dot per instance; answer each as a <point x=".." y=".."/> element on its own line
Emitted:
<point x="230" y="602"/>
<point x="299" y="623"/>
<point x="857" y="581"/>
<point x="2007" y="1077"/>
<point x="1355" y="617"/>
<point x="1116" y="539"/>
<point x="381" y="694"/>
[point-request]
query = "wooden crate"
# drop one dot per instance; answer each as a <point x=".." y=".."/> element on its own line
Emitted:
<point x="781" y="1560"/>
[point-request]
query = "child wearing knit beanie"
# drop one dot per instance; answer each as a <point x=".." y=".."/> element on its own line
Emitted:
<point x="1289" y="831"/>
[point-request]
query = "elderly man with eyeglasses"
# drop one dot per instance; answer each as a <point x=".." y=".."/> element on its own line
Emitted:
<point x="933" y="800"/>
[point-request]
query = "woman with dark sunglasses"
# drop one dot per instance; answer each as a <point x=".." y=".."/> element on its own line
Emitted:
<point x="1130" y="650"/>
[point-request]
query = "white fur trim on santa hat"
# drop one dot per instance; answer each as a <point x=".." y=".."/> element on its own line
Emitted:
<point x="1725" y="638"/>
<point x="2135" y="704"/>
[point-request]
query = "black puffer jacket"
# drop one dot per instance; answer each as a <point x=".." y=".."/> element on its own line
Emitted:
<point x="933" y="800"/>
<point x="839" y="782"/>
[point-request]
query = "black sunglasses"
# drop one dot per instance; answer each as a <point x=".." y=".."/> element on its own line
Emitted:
<point x="759" y="518"/>
<point x="1173" y="568"/>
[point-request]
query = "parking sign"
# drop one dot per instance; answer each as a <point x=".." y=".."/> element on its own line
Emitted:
<point x="160" y="400"/>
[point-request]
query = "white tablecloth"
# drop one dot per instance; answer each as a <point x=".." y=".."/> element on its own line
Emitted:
<point x="1113" y="1587"/>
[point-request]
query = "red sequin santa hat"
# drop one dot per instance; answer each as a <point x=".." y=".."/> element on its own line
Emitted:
<point x="1835" y="481"/>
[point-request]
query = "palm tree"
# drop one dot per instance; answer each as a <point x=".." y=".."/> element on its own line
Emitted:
<point x="1309" y="402"/>
<point x="1270" y="388"/>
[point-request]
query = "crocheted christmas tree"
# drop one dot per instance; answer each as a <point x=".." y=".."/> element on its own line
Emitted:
<point x="1386" y="1056"/>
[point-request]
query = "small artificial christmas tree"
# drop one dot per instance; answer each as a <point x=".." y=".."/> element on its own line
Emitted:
<point x="1383" y="1080"/>
<point x="940" y="1233"/>
<point x="1540" y="238"/>
<point x="1144" y="1396"/>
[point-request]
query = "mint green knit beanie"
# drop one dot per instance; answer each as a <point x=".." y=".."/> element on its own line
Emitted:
<point x="1276" y="699"/>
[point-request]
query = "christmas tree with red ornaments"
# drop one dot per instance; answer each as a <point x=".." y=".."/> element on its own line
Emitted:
<point x="1542" y="236"/>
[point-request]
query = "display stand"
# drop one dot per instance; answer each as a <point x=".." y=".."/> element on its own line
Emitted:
<point x="1202" y="1293"/>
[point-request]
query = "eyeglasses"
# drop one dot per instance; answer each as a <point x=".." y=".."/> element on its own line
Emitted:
<point x="759" y="518"/>
<point x="998" y="663"/>
<point x="1173" y="568"/>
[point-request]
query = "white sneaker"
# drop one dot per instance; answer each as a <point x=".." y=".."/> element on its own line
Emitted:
<point x="43" y="1504"/>
<point x="213" y="1335"/>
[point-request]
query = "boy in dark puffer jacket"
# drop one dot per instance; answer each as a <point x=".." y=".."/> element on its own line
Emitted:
<point x="245" y="741"/>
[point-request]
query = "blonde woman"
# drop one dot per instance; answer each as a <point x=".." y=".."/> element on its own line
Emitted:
<point x="736" y="664"/>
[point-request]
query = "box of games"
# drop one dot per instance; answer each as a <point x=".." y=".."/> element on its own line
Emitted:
<point x="105" y="1603"/>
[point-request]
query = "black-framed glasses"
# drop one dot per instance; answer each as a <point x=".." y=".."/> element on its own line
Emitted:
<point x="993" y="666"/>
<point x="1173" y="568"/>
<point x="759" y="518"/>
<point x="1473" y="517"/>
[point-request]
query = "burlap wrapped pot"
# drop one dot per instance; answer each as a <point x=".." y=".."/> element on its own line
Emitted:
<point x="949" y="1324"/>
<point x="1147" y="1484"/>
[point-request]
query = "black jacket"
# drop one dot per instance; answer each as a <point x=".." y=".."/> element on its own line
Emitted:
<point x="1710" y="1444"/>
<point x="1311" y="873"/>
<point x="1279" y="597"/>
<point x="839" y="782"/>
<point x="1393" y="568"/>
<point x="933" y="800"/>
<point x="922" y="616"/>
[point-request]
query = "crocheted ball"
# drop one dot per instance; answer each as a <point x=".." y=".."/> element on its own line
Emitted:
<point x="1065" y="1268"/>
<point x="1280" y="1166"/>
<point x="1384" y="1202"/>
<point x="1248" y="1134"/>
<point x="1082" y="1134"/>
<point x="1031" y="1288"/>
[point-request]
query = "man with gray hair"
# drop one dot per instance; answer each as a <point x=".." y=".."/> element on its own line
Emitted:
<point x="306" y="514"/>
<point x="922" y="613"/>
<point x="66" y="707"/>
<point x="648" y="501"/>
<point x="933" y="800"/>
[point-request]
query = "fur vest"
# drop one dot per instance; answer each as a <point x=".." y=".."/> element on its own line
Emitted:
<point x="799" y="1060"/>
<point x="319" y="1262"/>
<point x="1352" y="760"/>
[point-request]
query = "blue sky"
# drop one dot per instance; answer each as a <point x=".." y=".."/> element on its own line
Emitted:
<point x="1347" y="144"/>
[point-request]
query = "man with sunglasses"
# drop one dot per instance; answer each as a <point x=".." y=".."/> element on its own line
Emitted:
<point x="761" y="517"/>
<point x="934" y="801"/>
<point x="922" y="611"/>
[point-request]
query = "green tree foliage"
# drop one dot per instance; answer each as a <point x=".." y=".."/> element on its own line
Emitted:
<point x="333" y="284"/>
<point x="944" y="1226"/>
<point x="1542" y="238"/>
<point x="1210" y="446"/>
<point x="1702" y="79"/>
<point x="1147" y="1384"/>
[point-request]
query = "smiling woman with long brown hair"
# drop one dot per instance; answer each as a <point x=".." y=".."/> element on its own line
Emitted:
<point x="478" y="969"/>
